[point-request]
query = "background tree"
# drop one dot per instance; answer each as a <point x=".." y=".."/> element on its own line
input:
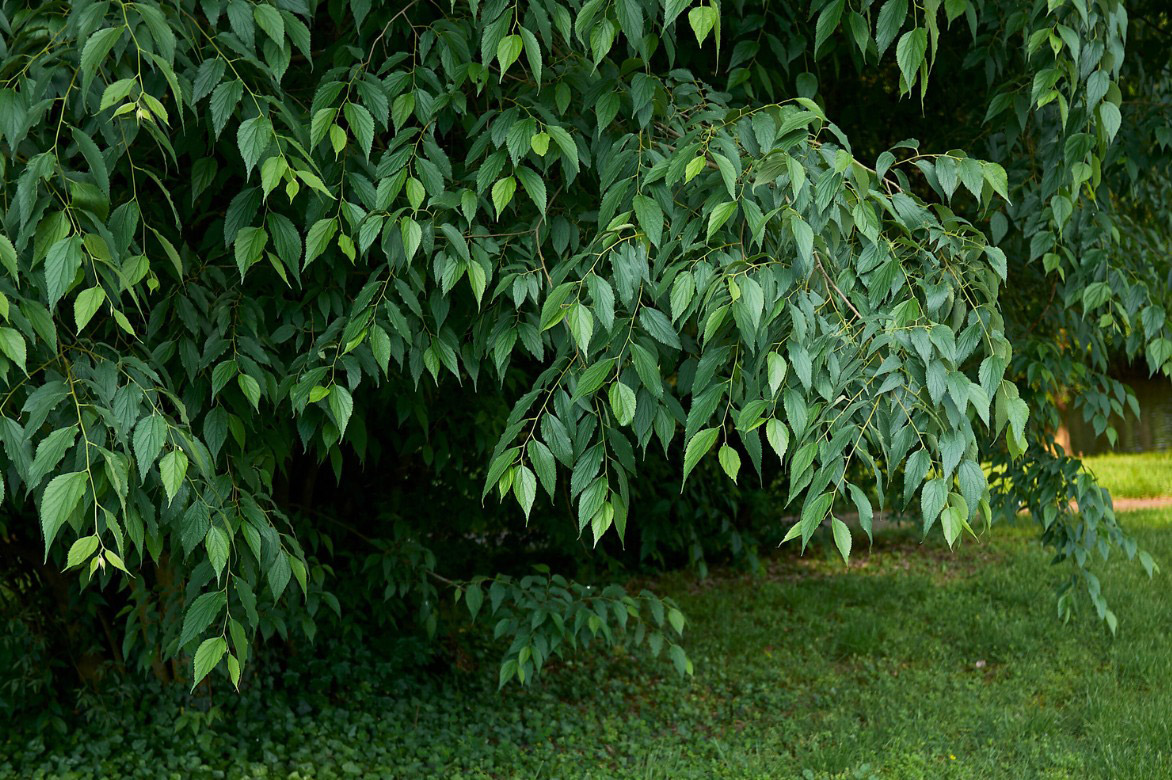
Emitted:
<point x="290" y="288"/>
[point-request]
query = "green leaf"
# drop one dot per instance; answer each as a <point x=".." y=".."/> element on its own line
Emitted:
<point x="952" y="447"/>
<point x="13" y="347"/>
<point x="650" y="217"/>
<point x="552" y="310"/>
<point x="412" y="235"/>
<point x="842" y="538"/>
<point x="972" y="481"/>
<point x="777" y="436"/>
<point x="647" y="367"/>
<point x="172" y="469"/>
<point x="803" y="240"/>
<point x="801" y="463"/>
<point x="827" y="23"/>
<point x="149" y="435"/>
<point x="114" y="560"/>
<point x="402" y="109"/>
<point x="502" y="194"/>
<point x="997" y="261"/>
<point x="592" y="378"/>
<point x="117" y="91"/>
<point x="97" y="46"/>
<point x="299" y="573"/>
<point x="338" y="140"/>
<point x="752" y="300"/>
<point x="813" y="513"/>
<point x="730" y="461"/>
<point x="672" y="9"/>
<point x="81" y="551"/>
<point x="952" y="520"/>
<point x="272" y="171"/>
<point x="533" y="185"/>
<point x="251" y="389"/>
<point x="50" y="451"/>
<point x="703" y="19"/>
<point x="946" y="173"/>
<point x="682" y="291"/>
<point x="249" y="247"/>
<point x="909" y="53"/>
<point x="543" y="464"/>
<point x="507" y="52"/>
<point x="222" y="374"/>
<point x="93" y="158"/>
<point x="314" y="183"/>
<point x="565" y="144"/>
<point x="323" y="120"/>
<point x="1111" y="119"/>
<point x="269" y="19"/>
<point x="61" y="266"/>
<point x="223" y="103"/>
<point x="278" y="575"/>
<point x="252" y="139"/>
<point x="622" y="403"/>
<point x="203" y="610"/>
<point x="659" y="326"/>
<point x="863" y="505"/>
<point x="532" y="53"/>
<point x="86" y="305"/>
<point x="803" y="366"/>
<point x="473" y="597"/>
<point x="889" y="23"/>
<point x="218" y="546"/>
<point x="8" y="257"/>
<point x="971" y="177"/>
<point x="341" y="407"/>
<point x="581" y="323"/>
<point x="932" y="499"/>
<point x="936" y="378"/>
<point x="525" y="488"/>
<point x="362" y="125"/>
<point x="319" y="237"/>
<point x="207" y="656"/>
<point x="719" y="216"/>
<point x="61" y="497"/>
<point x="680" y="660"/>
<point x="997" y="178"/>
<point x="676" y="619"/>
<point x="776" y="368"/>
<point x="697" y="448"/>
<point x="415" y="192"/>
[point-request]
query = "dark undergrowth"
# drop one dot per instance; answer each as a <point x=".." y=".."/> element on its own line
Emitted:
<point x="912" y="662"/>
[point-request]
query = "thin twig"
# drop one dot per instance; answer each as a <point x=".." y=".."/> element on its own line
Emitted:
<point x="841" y="294"/>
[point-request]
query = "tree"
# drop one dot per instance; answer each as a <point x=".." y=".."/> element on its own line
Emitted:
<point x="520" y="248"/>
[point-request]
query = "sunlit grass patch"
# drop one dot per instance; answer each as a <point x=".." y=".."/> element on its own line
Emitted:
<point x="1133" y="475"/>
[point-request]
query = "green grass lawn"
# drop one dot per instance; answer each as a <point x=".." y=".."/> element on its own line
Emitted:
<point x="1130" y="475"/>
<point x="913" y="662"/>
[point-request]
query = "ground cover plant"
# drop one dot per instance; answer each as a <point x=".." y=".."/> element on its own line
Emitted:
<point x="368" y="320"/>
<point x="913" y="662"/>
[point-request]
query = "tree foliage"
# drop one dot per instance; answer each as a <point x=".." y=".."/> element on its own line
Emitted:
<point x="527" y="247"/>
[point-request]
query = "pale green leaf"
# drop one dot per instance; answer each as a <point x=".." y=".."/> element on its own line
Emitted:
<point x="60" y="499"/>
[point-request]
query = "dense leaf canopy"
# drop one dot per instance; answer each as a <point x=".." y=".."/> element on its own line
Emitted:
<point x="572" y="255"/>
